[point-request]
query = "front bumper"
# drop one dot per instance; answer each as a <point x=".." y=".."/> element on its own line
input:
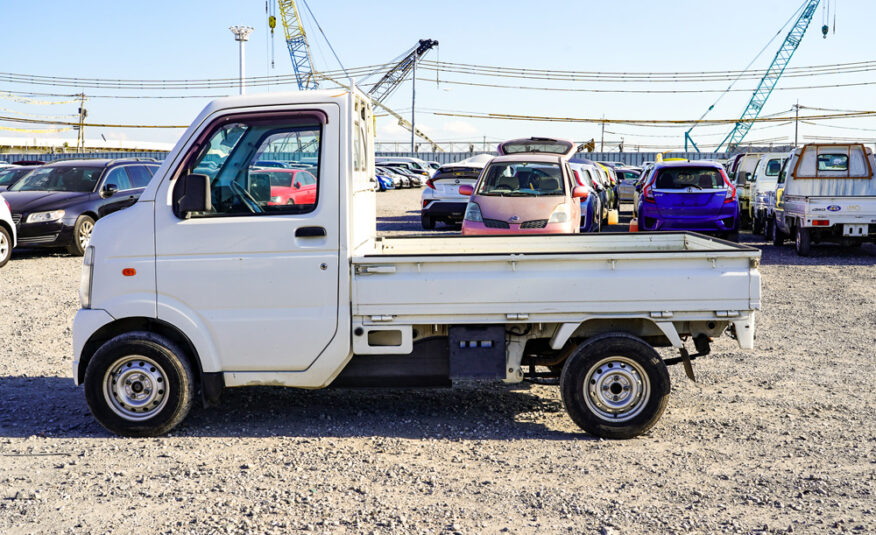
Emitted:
<point x="470" y="228"/>
<point x="52" y="234"/>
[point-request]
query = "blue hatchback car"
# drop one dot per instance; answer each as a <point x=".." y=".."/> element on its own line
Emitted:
<point x="695" y="195"/>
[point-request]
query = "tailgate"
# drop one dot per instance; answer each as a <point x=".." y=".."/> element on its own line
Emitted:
<point x="840" y="210"/>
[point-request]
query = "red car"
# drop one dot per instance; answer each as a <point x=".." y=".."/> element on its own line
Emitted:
<point x="291" y="186"/>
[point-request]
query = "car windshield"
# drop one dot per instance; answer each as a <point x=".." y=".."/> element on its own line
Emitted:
<point x="773" y="167"/>
<point x="64" y="178"/>
<point x="11" y="176"/>
<point x="689" y="177"/>
<point x="522" y="179"/>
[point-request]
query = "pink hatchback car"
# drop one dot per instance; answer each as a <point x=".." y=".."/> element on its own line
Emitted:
<point x="530" y="189"/>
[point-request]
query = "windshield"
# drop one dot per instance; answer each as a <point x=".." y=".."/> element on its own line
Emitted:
<point x="11" y="176"/>
<point x="773" y="167"/>
<point x="551" y="146"/>
<point x="522" y="179"/>
<point x="66" y="178"/>
<point x="690" y="177"/>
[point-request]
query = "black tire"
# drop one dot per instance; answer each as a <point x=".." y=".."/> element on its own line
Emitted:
<point x="802" y="241"/>
<point x="615" y="361"/>
<point x="84" y="226"/>
<point x="776" y="234"/>
<point x="757" y="225"/>
<point x="733" y="236"/>
<point x="427" y="222"/>
<point x="5" y="246"/>
<point x="161" y="385"/>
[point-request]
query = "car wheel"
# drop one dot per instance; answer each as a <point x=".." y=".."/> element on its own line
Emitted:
<point x="802" y="241"/>
<point x="733" y="236"/>
<point x="757" y="225"/>
<point x="139" y="384"/>
<point x="615" y="386"/>
<point x="427" y="222"/>
<point x="776" y="234"/>
<point x="5" y="246"/>
<point x="81" y="235"/>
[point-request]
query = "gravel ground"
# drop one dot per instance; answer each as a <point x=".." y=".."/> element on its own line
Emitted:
<point x="779" y="439"/>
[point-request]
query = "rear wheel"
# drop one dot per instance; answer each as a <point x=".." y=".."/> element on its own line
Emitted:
<point x="139" y="384"/>
<point x="776" y="234"/>
<point x="5" y="246"/>
<point x="802" y="241"/>
<point x="757" y="225"/>
<point x="427" y="222"/>
<point x="81" y="235"/>
<point x="733" y="236"/>
<point x="615" y="386"/>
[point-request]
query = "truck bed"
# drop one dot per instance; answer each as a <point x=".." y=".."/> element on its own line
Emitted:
<point x="552" y="278"/>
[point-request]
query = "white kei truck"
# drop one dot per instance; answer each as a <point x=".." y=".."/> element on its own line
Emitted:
<point x="826" y="192"/>
<point x="214" y="280"/>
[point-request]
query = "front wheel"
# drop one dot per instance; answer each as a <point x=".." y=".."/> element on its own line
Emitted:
<point x="5" y="246"/>
<point x="757" y="225"/>
<point x="427" y="222"/>
<point x="776" y="234"/>
<point x="81" y="235"/>
<point x="139" y="384"/>
<point x="615" y="386"/>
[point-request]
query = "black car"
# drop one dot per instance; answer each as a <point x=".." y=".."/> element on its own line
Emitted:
<point x="57" y="204"/>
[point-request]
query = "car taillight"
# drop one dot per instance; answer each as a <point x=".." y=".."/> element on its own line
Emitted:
<point x="730" y="196"/>
<point x="647" y="194"/>
<point x="821" y="223"/>
<point x="577" y="177"/>
<point x="430" y="183"/>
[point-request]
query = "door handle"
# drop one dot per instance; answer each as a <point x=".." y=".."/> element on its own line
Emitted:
<point x="310" y="232"/>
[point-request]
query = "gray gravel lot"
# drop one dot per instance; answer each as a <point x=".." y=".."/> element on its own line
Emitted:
<point x="778" y="439"/>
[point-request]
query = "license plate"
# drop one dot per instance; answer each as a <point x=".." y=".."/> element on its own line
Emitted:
<point x="854" y="230"/>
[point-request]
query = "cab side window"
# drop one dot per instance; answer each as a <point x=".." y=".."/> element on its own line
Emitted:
<point x="263" y="167"/>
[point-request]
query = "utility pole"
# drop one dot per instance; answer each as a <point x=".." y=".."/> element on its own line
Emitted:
<point x="83" y="113"/>
<point x="796" y="121"/>
<point x="602" y="137"/>
<point x="414" y="104"/>
<point x="241" y="35"/>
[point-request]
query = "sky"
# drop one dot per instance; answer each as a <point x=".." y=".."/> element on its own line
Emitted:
<point x="163" y="40"/>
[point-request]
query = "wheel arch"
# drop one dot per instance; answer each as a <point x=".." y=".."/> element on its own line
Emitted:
<point x="124" y="325"/>
<point x="10" y="230"/>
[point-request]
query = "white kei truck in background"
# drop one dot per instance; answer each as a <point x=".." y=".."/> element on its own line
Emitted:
<point x="207" y="283"/>
<point x="826" y="192"/>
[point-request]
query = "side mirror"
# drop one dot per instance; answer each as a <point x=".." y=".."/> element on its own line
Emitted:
<point x="580" y="192"/>
<point x="191" y="193"/>
<point x="466" y="189"/>
<point x="109" y="190"/>
<point x="639" y="188"/>
<point x="297" y="185"/>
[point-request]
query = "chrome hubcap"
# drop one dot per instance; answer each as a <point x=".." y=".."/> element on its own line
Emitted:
<point x="85" y="233"/>
<point x="136" y="388"/>
<point x="616" y="389"/>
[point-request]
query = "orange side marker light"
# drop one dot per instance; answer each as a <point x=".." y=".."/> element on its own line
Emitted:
<point x="129" y="272"/>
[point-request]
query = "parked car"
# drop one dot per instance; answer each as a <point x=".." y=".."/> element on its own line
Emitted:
<point x="591" y="206"/>
<point x="826" y="192"/>
<point x="57" y="204"/>
<point x="434" y="165"/>
<point x="693" y="195"/>
<point x="414" y="165"/>
<point x="599" y="182"/>
<point x="743" y="171"/>
<point x="12" y="174"/>
<point x="609" y="185"/>
<point x="383" y="181"/>
<point x="288" y="186"/>
<point x="626" y="188"/>
<point x="643" y="177"/>
<point x="399" y="177"/>
<point x="528" y="190"/>
<point x="441" y="200"/>
<point x="764" y="179"/>
<point x="7" y="232"/>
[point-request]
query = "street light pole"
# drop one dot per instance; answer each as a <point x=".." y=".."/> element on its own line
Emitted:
<point x="241" y="35"/>
<point x="414" y="105"/>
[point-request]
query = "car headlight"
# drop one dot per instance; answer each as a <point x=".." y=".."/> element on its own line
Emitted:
<point x="45" y="217"/>
<point x="473" y="213"/>
<point x="86" y="278"/>
<point x="560" y="214"/>
<point x="277" y="199"/>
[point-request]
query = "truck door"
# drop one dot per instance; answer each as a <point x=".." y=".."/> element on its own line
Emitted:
<point x="260" y="276"/>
